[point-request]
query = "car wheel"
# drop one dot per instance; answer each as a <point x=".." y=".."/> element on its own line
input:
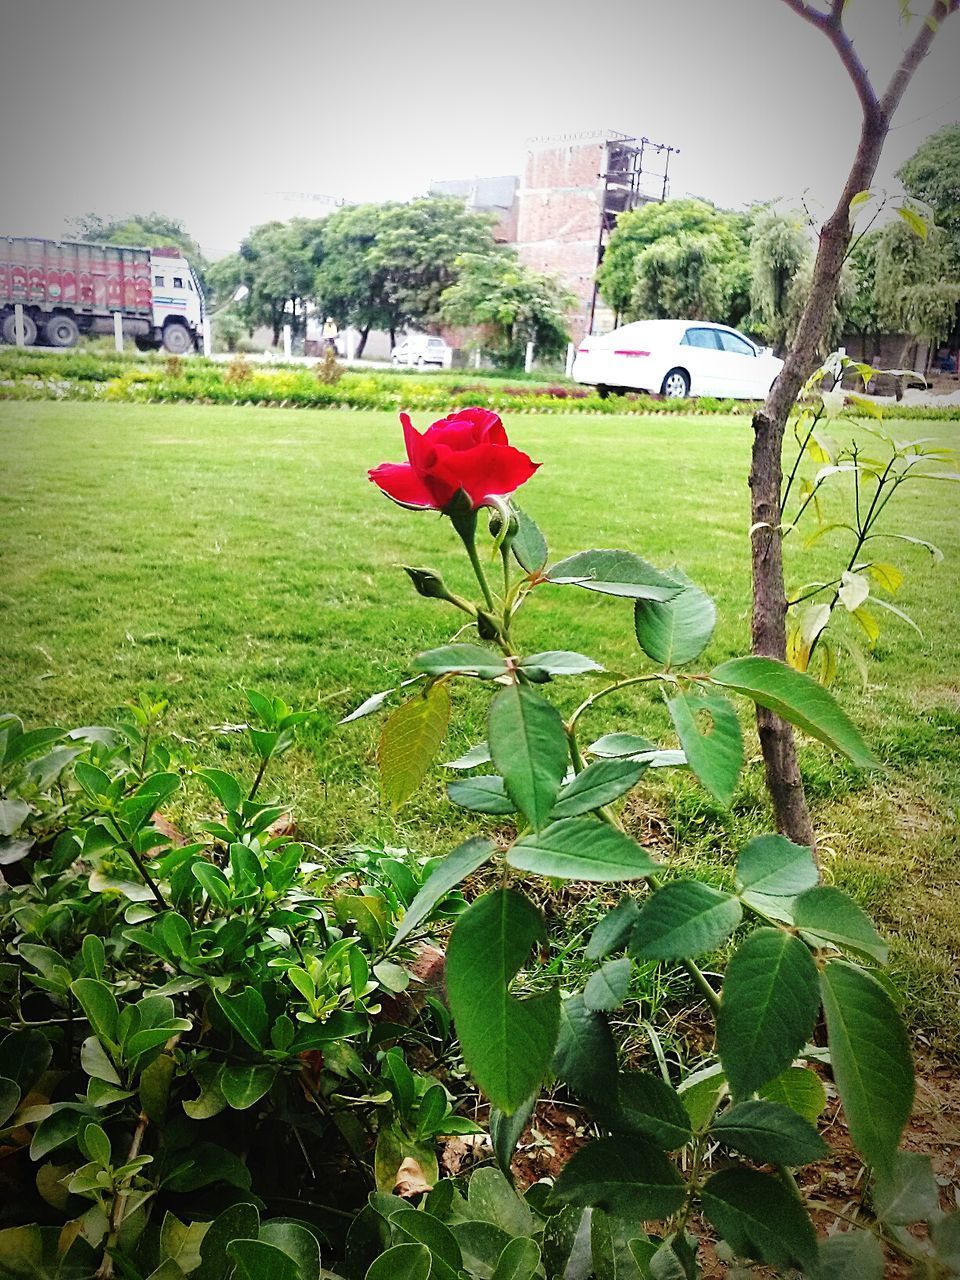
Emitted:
<point x="603" y="391"/>
<point x="676" y="385"/>
<point x="61" y="331"/>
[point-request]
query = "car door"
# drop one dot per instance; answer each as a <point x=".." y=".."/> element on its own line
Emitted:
<point x="704" y="360"/>
<point x="741" y="371"/>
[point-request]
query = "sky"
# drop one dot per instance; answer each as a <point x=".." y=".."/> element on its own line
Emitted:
<point x="206" y="110"/>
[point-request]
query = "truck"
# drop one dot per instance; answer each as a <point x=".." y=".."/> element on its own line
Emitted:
<point x="67" y="288"/>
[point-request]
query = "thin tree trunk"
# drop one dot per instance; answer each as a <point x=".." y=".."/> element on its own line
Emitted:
<point x="768" y="623"/>
<point x="364" y="335"/>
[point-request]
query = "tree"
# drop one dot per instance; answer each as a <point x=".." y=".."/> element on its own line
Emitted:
<point x="276" y="266"/>
<point x="639" y="287"/>
<point x="912" y="287"/>
<point x="386" y="266"/>
<point x="768" y="624"/>
<point x="863" y="313"/>
<point x="514" y="304"/>
<point x="779" y="249"/>
<point x="932" y="174"/>
<point x="149" y="230"/>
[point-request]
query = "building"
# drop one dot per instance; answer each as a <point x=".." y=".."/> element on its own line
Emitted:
<point x="560" y="213"/>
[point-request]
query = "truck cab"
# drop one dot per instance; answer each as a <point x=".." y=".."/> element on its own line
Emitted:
<point x="178" y="307"/>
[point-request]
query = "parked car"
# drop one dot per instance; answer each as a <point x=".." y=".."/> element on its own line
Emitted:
<point x="421" y="349"/>
<point x="677" y="358"/>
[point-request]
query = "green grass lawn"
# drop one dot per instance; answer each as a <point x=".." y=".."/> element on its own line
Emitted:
<point x="191" y="551"/>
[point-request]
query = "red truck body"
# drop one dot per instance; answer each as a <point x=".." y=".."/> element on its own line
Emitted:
<point x="90" y="279"/>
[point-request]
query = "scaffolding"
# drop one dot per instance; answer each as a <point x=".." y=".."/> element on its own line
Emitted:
<point x="635" y="172"/>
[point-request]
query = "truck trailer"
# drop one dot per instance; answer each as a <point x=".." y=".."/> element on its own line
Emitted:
<point x="68" y="287"/>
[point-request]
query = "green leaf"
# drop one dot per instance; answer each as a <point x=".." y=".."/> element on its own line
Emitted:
<point x="296" y="1242"/>
<point x="482" y="794"/>
<point x="257" y="1260"/>
<point x="9" y="1099"/>
<point x="491" y="1198"/>
<point x="247" y="1014"/>
<point x="914" y="220"/>
<point x="24" y="1057"/>
<point x="685" y="918"/>
<point x="224" y="786"/>
<point x="409" y="742"/>
<point x="153" y="1087"/>
<point x="626" y="1175"/>
<point x="94" y="1061"/>
<point x="945" y="1234"/>
<point x="770" y="1133"/>
<point x="646" y="1105"/>
<point x="772" y="871"/>
<point x="454" y="868"/>
<point x="466" y="659"/>
<point x="619" y="745"/>
<point x="610" y="1238"/>
<point x="848" y="1254"/>
<point x="506" y="1131"/>
<point x="99" y="1005"/>
<point x="401" y="1262"/>
<point x="798" y="1088"/>
<point x="614" y="930"/>
<point x="13" y="814"/>
<point x="607" y="988"/>
<point x="519" y="1260"/>
<point x="760" y="1218"/>
<point x="528" y="544"/>
<point x="180" y="1242"/>
<point x="425" y="1229"/>
<point x="213" y="881"/>
<point x="768" y="1009"/>
<point x="797" y="698"/>
<point x="507" y="1043"/>
<point x="614" y="573"/>
<point x="872" y="1066"/>
<point x="237" y="1223"/>
<point x="906" y="1191"/>
<point x="676" y="631"/>
<point x="244" y="1083"/>
<point x="529" y="749"/>
<point x="581" y="849"/>
<point x="480" y="754"/>
<point x="825" y="915"/>
<point x="559" y="662"/>
<point x="600" y="783"/>
<point x="585" y="1056"/>
<point x="715" y="754"/>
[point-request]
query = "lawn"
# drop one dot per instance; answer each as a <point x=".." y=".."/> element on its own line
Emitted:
<point x="191" y="551"/>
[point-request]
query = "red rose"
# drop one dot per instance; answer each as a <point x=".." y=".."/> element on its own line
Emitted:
<point x="467" y="450"/>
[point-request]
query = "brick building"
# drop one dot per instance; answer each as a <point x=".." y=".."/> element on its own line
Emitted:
<point x="573" y="189"/>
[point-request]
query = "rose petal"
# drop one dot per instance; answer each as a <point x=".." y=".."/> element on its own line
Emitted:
<point x="399" y="481"/>
<point x="488" y="429"/>
<point x="488" y="470"/>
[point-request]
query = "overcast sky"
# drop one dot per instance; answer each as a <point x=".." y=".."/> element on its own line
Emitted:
<point x="201" y="110"/>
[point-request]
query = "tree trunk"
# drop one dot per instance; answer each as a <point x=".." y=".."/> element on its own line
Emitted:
<point x="364" y="335"/>
<point x="768" y="627"/>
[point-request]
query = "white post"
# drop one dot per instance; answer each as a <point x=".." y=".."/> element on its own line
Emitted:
<point x="207" y="336"/>
<point x="287" y="342"/>
<point x="18" y="333"/>
<point x="118" y="330"/>
<point x="568" y="363"/>
<point x="476" y="358"/>
<point x="528" y="359"/>
<point x="351" y="343"/>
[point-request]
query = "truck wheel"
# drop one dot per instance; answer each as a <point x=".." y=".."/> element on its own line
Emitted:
<point x="61" y="331"/>
<point x="10" y="329"/>
<point x="177" y="339"/>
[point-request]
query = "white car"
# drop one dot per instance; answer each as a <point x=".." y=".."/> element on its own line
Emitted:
<point x="421" y="349"/>
<point x="677" y="358"/>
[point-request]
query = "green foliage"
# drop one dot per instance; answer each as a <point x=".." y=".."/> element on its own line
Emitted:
<point x="512" y="303"/>
<point x="682" y="258"/>
<point x="932" y="174"/>
<point x="202" y="970"/>
<point x="144" y="230"/>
